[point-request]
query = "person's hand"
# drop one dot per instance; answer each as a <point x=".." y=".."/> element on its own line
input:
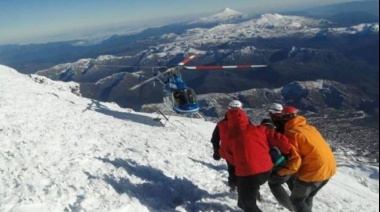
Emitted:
<point x="216" y="155"/>
<point x="276" y="179"/>
<point x="274" y="174"/>
<point x="287" y="156"/>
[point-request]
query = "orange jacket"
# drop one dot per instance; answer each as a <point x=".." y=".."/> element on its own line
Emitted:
<point x="311" y="159"/>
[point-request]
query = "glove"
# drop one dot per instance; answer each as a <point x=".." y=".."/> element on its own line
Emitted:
<point x="277" y="179"/>
<point x="216" y="155"/>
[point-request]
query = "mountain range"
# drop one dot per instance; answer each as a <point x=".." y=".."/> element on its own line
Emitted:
<point x="297" y="49"/>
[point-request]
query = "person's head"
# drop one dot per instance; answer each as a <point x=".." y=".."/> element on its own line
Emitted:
<point x="275" y="111"/>
<point x="237" y="119"/>
<point x="268" y="123"/>
<point x="289" y="113"/>
<point x="235" y="104"/>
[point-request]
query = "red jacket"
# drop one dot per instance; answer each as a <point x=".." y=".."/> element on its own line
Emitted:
<point x="249" y="145"/>
<point x="224" y="138"/>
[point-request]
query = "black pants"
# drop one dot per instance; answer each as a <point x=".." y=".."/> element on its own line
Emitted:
<point x="303" y="193"/>
<point x="275" y="184"/>
<point x="231" y="174"/>
<point x="248" y="191"/>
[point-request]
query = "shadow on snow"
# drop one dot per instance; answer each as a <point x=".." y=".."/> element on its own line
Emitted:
<point x="219" y="167"/>
<point x="159" y="192"/>
<point x="138" y="118"/>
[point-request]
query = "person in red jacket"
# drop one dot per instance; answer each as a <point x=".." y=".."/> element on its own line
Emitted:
<point x="312" y="161"/>
<point x="249" y="147"/>
<point x="219" y="139"/>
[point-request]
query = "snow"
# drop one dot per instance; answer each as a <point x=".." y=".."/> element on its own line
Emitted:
<point x="356" y="29"/>
<point x="226" y="15"/>
<point x="63" y="152"/>
<point x="266" y="26"/>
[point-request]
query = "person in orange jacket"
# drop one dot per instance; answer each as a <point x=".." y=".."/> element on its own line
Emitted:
<point x="249" y="147"/>
<point x="311" y="160"/>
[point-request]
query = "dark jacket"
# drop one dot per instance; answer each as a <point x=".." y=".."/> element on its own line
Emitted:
<point x="278" y="123"/>
<point x="279" y="160"/>
<point x="215" y="138"/>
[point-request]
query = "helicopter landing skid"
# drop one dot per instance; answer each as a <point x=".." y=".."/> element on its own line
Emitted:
<point x="197" y="115"/>
<point x="158" y="118"/>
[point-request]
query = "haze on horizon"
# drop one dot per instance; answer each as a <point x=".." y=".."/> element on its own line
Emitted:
<point x="41" y="21"/>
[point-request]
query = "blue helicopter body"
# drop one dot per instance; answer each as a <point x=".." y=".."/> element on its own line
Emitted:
<point x="178" y="96"/>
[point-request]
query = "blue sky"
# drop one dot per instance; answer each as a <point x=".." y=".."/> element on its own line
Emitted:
<point x="36" y="21"/>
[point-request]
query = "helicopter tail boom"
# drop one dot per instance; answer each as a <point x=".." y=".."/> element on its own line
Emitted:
<point x="150" y="79"/>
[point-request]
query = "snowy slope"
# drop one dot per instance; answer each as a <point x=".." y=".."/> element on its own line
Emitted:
<point x="62" y="152"/>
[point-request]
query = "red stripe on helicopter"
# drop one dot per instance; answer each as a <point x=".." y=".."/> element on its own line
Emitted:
<point x="186" y="60"/>
<point x="223" y="67"/>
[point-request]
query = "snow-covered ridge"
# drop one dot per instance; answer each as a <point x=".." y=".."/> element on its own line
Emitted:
<point x="81" y="67"/>
<point x="63" y="152"/>
<point x="267" y="26"/>
<point x="356" y="29"/>
<point x="63" y="86"/>
<point x="10" y="75"/>
<point x="291" y="22"/>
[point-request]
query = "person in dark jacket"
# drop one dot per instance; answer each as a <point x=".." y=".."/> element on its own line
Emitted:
<point x="275" y="182"/>
<point x="278" y="159"/>
<point x="249" y="146"/>
<point x="219" y="139"/>
<point x="275" y="115"/>
<point x="216" y="142"/>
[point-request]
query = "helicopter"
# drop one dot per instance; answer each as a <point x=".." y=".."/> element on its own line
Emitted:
<point x="178" y="97"/>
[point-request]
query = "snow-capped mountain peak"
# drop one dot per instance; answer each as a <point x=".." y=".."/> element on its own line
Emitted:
<point x="226" y="15"/>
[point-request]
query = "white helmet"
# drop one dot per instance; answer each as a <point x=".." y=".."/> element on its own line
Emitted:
<point x="235" y="104"/>
<point x="275" y="108"/>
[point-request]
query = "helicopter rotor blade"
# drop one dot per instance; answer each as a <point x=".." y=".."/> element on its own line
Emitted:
<point x="150" y="79"/>
<point x="128" y="66"/>
<point x="224" y="67"/>
<point x="186" y="60"/>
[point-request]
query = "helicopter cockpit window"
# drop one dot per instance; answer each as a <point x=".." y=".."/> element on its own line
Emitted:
<point x="191" y="95"/>
<point x="182" y="97"/>
<point x="179" y="98"/>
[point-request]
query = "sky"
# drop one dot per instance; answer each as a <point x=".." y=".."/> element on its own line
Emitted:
<point x="62" y="152"/>
<point x="40" y="21"/>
